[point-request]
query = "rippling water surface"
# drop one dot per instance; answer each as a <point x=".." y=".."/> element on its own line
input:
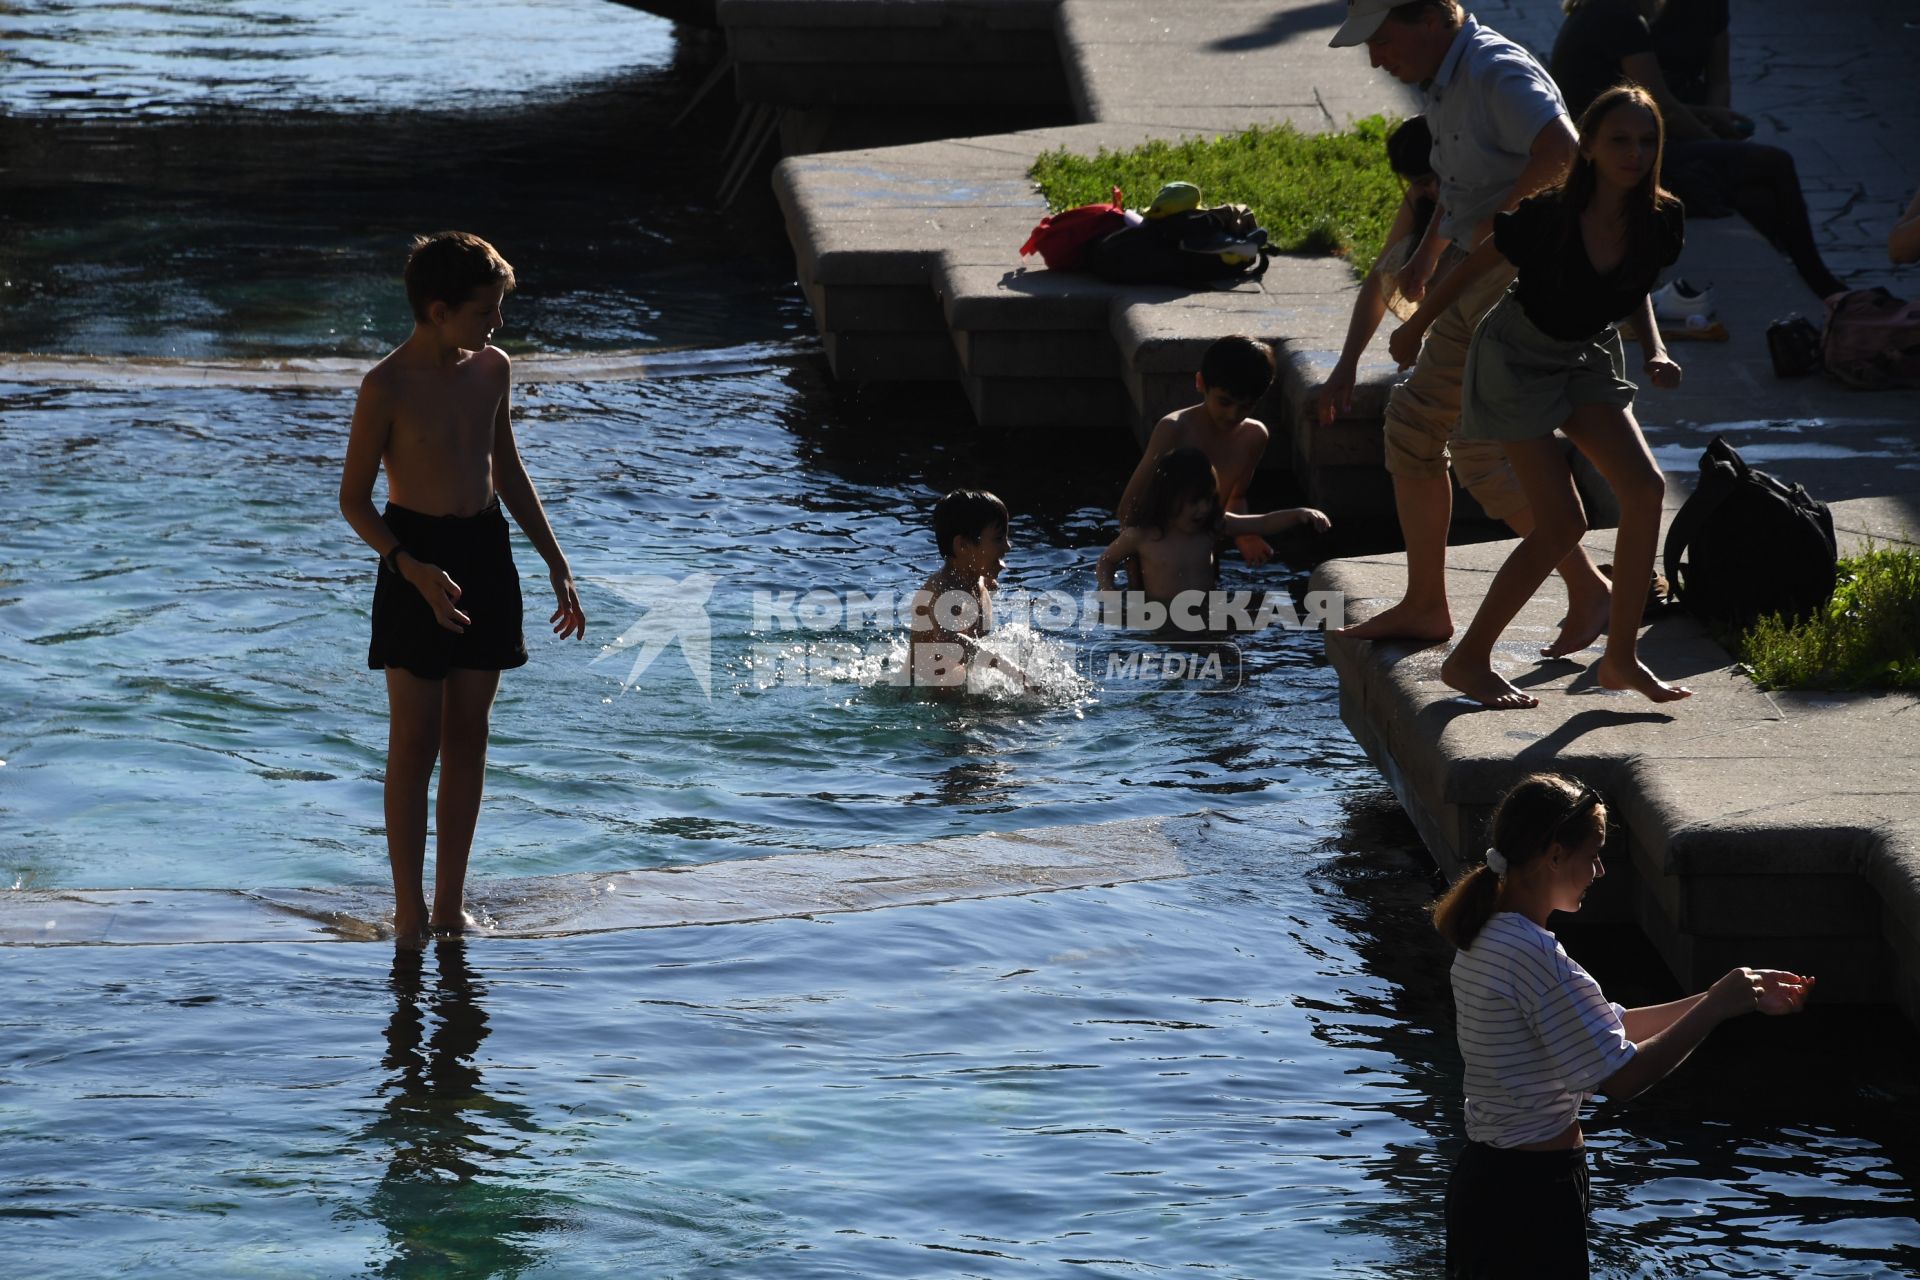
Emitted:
<point x="189" y="617"/>
<point x="179" y="57"/>
<point x="1247" y="1071"/>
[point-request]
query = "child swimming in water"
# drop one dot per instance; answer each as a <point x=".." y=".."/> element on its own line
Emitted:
<point x="953" y="612"/>
<point x="1178" y="522"/>
<point x="1234" y="376"/>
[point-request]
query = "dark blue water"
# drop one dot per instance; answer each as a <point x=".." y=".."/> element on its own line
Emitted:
<point x="1246" y="1071"/>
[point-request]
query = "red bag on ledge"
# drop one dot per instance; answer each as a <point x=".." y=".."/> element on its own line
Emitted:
<point x="1062" y="238"/>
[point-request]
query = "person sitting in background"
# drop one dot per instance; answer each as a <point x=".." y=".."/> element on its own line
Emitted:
<point x="1708" y="165"/>
<point x="1691" y="42"/>
<point x="1904" y="244"/>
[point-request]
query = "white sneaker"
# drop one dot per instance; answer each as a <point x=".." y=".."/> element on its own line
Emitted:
<point x="1680" y="299"/>
<point x="1684" y="310"/>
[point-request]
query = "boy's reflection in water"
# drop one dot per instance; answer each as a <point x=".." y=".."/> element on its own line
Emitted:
<point x="451" y="1199"/>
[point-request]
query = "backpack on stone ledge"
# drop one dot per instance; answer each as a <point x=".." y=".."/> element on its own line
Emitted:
<point x="1195" y="247"/>
<point x="1872" y="340"/>
<point x="1753" y="544"/>
<point x="1061" y="239"/>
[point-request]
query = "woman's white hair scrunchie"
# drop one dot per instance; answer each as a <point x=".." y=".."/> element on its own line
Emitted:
<point x="1496" y="861"/>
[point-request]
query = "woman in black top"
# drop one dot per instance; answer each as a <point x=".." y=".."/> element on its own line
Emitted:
<point x="1548" y="356"/>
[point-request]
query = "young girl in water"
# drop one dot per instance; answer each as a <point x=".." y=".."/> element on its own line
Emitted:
<point x="1548" y="356"/>
<point x="1180" y="521"/>
<point x="1539" y="1037"/>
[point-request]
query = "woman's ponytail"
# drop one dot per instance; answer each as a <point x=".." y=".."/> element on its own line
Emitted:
<point x="1465" y="909"/>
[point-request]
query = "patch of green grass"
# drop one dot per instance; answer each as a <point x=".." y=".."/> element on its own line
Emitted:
<point x="1867" y="638"/>
<point x="1313" y="192"/>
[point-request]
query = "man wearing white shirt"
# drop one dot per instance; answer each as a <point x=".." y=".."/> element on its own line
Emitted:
<point x="1501" y="133"/>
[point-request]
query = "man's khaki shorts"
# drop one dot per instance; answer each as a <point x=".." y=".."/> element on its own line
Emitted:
<point x="1423" y="413"/>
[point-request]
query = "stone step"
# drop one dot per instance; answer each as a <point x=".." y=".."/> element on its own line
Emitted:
<point x="891" y="357"/>
<point x="1037" y="354"/>
<point x="1045" y="402"/>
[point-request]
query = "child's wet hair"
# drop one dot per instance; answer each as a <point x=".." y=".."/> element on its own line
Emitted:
<point x="1238" y="365"/>
<point x="1178" y="478"/>
<point x="448" y="266"/>
<point x="966" y="511"/>
<point x="1410" y="149"/>
<point x="1538" y="812"/>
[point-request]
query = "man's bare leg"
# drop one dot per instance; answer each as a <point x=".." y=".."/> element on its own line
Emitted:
<point x="466" y="712"/>
<point x="413" y="741"/>
<point x="1425" y="507"/>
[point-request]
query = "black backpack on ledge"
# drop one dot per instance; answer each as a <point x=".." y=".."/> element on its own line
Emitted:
<point x="1193" y="248"/>
<point x="1752" y="543"/>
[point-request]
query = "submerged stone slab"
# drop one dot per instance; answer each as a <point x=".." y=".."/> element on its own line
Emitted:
<point x="340" y="373"/>
<point x="878" y="356"/>
<point x="735" y="892"/>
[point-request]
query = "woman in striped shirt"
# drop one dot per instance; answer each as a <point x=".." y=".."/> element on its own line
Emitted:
<point x="1539" y="1038"/>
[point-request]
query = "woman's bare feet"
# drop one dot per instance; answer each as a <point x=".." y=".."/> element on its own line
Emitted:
<point x="1613" y="674"/>
<point x="1479" y="682"/>
<point x="1580" y="628"/>
<point x="1403" y="622"/>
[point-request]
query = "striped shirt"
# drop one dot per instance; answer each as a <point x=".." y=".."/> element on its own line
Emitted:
<point x="1536" y="1032"/>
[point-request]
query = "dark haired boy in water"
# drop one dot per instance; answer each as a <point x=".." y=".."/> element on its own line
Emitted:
<point x="954" y="610"/>
<point x="1235" y="372"/>
<point x="446" y="604"/>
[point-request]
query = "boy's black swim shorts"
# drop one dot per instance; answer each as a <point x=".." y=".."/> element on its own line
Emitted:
<point x="475" y="552"/>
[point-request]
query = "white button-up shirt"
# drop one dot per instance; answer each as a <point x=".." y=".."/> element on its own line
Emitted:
<point x="1485" y="105"/>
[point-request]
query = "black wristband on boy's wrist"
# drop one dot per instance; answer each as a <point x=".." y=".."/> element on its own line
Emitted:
<point x="392" y="561"/>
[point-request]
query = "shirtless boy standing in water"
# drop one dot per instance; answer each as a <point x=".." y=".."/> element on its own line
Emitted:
<point x="446" y="605"/>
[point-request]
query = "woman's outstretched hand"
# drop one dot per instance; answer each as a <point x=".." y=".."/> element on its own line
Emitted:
<point x="1769" y="991"/>
<point x="1780" y="992"/>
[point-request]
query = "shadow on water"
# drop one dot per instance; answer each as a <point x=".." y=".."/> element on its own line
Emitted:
<point x="252" y="230"/>
<point x="451" y="1198"/>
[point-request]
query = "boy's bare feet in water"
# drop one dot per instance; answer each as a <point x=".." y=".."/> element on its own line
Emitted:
<point x="1612" y="674"/>
<point x="1580" y="628"/>
<point x="453" y="926"/>
<point x="1484" y="686"/>
<point x="1403" y="622"/>
<point x="409" y="932"/>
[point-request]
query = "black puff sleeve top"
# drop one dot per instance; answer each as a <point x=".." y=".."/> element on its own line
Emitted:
<point x="1558" y="288"/>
